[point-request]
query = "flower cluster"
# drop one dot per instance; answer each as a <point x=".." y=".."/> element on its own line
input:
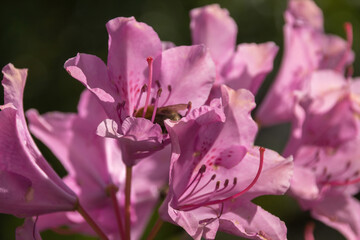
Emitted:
<point x="173" y="123"/>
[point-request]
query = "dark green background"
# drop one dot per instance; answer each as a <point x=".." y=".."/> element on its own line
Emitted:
<point x="41" y="35"/>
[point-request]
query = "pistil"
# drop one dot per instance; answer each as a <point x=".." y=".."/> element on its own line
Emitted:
<point x="150" y="64"/>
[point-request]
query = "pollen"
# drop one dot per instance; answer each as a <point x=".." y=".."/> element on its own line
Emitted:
<point x="196" y="154"/>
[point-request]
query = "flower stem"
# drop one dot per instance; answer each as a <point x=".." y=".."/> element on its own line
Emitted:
<point x="155" y="229"/>
<point x="91" y="222"/>
<point x="112" y="192"/>
<point x="127" y="202"/>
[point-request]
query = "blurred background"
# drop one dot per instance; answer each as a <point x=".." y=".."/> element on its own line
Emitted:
<point x="41" y="35"/>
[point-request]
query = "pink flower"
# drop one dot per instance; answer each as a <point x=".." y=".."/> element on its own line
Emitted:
<point x="137" y="71"/>
<point x="245" y="67"/>
<point x="95" y="168"/>
<point x="306" y="49"/>
<point x="28" y="185"/>
<point x="324" y="142"/>
<point x="325" y="114"/>
<point x="325" y="180"/>
<point x="216" y="171"/>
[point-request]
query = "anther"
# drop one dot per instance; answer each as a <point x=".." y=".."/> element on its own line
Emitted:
<point x="168" y="97"/>
<point x="188" y="108"/>
<point x="217" y="185"/>
<point x="143" y="89"/>
<point x="213" y="177"/>
<point x="226" y="183"/>
<point x="235" y="181"/>
<point x="348" y="165"/>
<point x="202" y="169"/>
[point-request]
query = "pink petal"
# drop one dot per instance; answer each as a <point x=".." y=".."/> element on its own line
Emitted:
<point x="340" y="212"/>
<point x="14" y="84"/>
<point x="250" y="65"/>
<point x="239" y="126"/>
<point x="180" y="66"/>
<point x="92" y="72"/>
<point x="54" y="130"/>
<point x="306" y="12"/>
<point x="276" y="173"/>
<point x="108" y="128"/>
<point x="212" y="26"/>
<point x="304" y="184"/>
<point x="248" y="220"/>
<point x="19" y="155"/>
<point x="130" y="44"/>
<point x="43" y="191"/>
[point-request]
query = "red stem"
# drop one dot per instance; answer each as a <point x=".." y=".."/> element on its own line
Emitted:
<point x="115" y="203"/>
<point x="127" y="202"/>
<point x="91" y="222"/>
<point x="155" y="229"/>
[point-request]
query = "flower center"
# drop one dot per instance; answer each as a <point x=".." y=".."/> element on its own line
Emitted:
<point x="152" y="110"/>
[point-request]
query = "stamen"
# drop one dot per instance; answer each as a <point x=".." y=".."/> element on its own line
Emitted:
<point x="156" y="104"/>
<point x="168" y="97"/>
<point x="143" y="89"/>
<point x="197" y="191"/>
<point x="217" y="185"/>
<point x="341" y="183"/>
<point x="205" y="197"/>
<point x="349" y="37"/>
<point x="205" y="202"/>
<point x="226" y="183"/>
<point x="188" y="109"/>
<point x="200" y="172"/>
<point x="150" y="64"/>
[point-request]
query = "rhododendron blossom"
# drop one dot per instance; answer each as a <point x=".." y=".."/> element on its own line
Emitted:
<point x="306" y="49"/>
<point x="244" y="68"/>
<point x="95" y="163"/>
<point x="324" y="142"/>
<point x="28" y="185"/>
<point x="166" y="133"/>
<point x="216" y="171"/>
<point x="138" y="79"/>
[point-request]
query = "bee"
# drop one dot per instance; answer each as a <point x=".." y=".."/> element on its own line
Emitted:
<point x="162" y="113"/>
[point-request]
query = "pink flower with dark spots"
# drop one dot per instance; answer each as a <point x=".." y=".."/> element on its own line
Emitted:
<point x="324" y="142"/>
<point x="28" y="185"/>
<point x="306" y="49"/>
<point x="325" y="182"/>
<point x="244" y="66"/>
<point x="95" y="170"/>
<point x="140" y="80"/>
<point x="216" y="171"/>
